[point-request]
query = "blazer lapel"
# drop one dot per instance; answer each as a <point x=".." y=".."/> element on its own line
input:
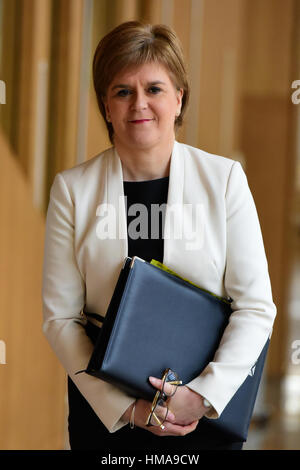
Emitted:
<point x="173" y="216"/>
<point x="184" y="231"/>
<point x="109" y="250"/>
<point x="115" y="197"/>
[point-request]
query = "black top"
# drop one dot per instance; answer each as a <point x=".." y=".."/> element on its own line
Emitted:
<point x="145" y="210"/>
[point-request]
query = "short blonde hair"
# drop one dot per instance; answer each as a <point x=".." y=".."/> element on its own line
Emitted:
<point x="134" y="43"/>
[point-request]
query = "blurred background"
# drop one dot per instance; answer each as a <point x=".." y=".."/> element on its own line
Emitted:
<point x="243" y="58"/>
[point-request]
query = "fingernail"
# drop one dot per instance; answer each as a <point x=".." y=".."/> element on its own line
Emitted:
<point x="153" y="379"/>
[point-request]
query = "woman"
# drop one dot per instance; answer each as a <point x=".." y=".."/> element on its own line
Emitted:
<point x="142" y="91"/>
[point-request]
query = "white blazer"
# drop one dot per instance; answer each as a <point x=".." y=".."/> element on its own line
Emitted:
<point x="225" y="255"/>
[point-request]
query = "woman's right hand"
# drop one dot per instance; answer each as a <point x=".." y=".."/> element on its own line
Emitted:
<point x="142" y="410"/>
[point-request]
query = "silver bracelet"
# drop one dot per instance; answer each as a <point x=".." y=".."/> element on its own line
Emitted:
<point x="131" y="422"/>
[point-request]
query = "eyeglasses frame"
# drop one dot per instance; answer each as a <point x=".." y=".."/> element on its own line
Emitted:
<point x="160" y="394"/>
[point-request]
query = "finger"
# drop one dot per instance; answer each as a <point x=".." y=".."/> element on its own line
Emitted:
<point x="171" y="417"/>
<point x="164" y="430"/>
<point x="159" y="416"/>
<point x="161" y="431"/>
<point x="173" y="429"/>
<point x="191" y="427"/>
<point x="160" y="412"/>
<point x="158" y="383"/>
<point x="183" y="429"/>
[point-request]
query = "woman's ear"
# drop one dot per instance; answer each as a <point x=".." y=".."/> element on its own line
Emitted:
<point x="179" y="101"/>
<point x="107" y="113"/>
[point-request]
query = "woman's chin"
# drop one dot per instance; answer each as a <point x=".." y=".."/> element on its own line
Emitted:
<point x="141" y="141"/>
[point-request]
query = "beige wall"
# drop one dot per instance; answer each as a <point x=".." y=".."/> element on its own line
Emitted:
<point x="32" y="382"/>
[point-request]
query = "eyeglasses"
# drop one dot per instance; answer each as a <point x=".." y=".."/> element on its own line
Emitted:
<point x="159" y="407"/>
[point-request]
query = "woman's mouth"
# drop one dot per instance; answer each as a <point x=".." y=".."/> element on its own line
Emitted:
<point x="140" y="121"/>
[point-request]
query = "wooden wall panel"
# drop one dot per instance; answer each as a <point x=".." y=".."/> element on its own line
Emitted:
<point x="34" y="49"/>
<point x="182" y="24"/>
<point x="65" y="85"/>
<point x="9" y="42"/>
<point x="97" y="136"/>
<point x="220" y="46"/>
<point x="32" y="382"/>
<point x="266" y="141"/>
<point x="123" y="10"/>
<point x="151" y="11"/>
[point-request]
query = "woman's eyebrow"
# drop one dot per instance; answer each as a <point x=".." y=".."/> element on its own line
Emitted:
<point x="124" y="85"/>
<point x="156" y="82"/>
<point x="121" y="85"/>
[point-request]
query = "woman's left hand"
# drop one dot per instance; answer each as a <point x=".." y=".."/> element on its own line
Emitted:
<point x="186" y="405"/>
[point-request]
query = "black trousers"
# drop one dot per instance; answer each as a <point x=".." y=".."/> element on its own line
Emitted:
<point x="87" y="432"/>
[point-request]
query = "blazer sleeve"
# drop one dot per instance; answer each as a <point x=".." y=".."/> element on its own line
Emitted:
<point x="63" y="296"/>
<point x="247" y="282"/>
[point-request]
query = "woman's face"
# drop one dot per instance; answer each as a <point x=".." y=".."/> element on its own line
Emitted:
<point x="142" y="103"/>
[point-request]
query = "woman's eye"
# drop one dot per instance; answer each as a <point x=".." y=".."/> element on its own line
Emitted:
<point x="154" y="90"/>
<point x="123" y="92"/>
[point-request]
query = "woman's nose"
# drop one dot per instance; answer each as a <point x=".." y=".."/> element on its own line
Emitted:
<point x="139" y="101"/>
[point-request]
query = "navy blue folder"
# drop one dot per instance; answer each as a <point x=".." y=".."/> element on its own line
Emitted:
<point x="157" y="320"/>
